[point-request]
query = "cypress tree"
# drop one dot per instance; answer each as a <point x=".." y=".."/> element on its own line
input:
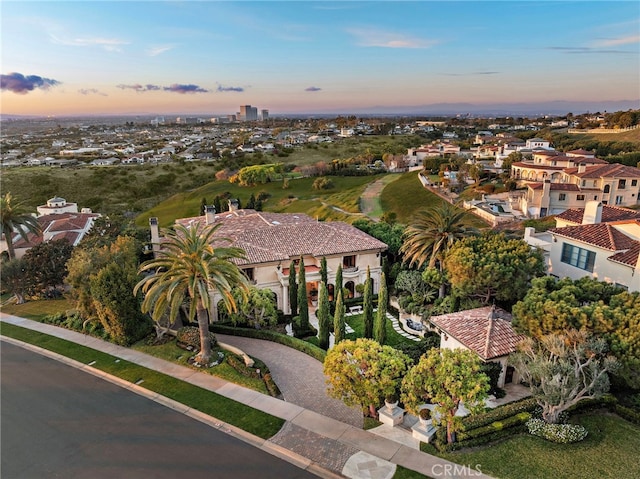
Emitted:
<point x="303" y="305"/>
<point x="203" y="206"/>
<point x="324" y="316"/>
<point x="252" y="202"/>
<point x="339" y="328"/>
<point x="381" y="317"/>
<point x="338" y="286"/>
<point x="323" y="271"/>
<point x="367" y="306"/>
<point x="293" y="289"/>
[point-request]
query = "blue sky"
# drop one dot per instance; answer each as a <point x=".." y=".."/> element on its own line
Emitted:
<point x="209" y="57"/>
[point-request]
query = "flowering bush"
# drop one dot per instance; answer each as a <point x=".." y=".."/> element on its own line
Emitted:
<point x="560" y="433"/>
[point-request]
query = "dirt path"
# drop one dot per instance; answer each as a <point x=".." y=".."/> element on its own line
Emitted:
<point x="370" y="199"/>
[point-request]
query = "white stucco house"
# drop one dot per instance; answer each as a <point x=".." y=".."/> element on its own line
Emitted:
<point x="486" y="331"/>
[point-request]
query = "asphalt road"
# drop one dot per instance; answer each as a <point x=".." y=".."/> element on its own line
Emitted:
<point x="58" y="421"/>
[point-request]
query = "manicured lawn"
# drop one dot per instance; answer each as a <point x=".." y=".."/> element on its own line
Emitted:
<point x="609" y="451"/>
<point x="357" y="323"/>
<point x="252" y="420"/>
<point x="37" y="310"/>
<point x="406" y="196"/>
<point x="171" y="352"/>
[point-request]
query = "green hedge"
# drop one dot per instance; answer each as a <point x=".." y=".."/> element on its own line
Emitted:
<point x="517" y="420"/>
<point x="499" y="413"/>
<point x="295" y="343"/>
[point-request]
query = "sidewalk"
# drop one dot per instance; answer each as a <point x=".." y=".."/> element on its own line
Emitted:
<point x="319" y="444"/>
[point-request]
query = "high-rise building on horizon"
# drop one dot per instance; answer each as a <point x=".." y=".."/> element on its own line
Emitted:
<point x="264" y="114"/>
<point x="248" y="113"/>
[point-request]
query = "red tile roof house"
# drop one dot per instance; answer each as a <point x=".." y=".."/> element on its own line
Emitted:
<point x="486" y="331"/>
<point x="599" y="241"/>
<point x="70" y="226"/>
<point x="272" y="240"/>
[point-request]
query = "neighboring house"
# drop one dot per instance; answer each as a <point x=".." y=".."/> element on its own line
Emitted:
<point x="57" y="205"/>
<point x="70" y="226"/>
<point x="272" y="240"/>
<point x="605" y="245"/>
<point x="486" y="331"/>
<point x="613" y="184"/>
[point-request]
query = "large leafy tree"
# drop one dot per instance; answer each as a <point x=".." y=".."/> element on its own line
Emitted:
<point x="391" y="234"/>
<point x="192" y="265"/>
<point x="493" y="267"/>
<point x="339" y="325"/>
<point x="324" y="316"/>
<point x="362" y="372"/>
<point x="446" y="378"/>
<point x="46" y="265"/>
<point x="256" y="308"/>
<point x="14" y="217"/>
<point x="14" y="279"/>
<point x="293" y="289"/>
<point x="252" y="175"/>
<point x="367" y="306"/>
<point x="380" y="324"/>
<point x="428" y="239"/>
<point x="563" y="369"/>
<point x="595" y="307"/>
<point x="101" y="280"/>
<point x="117" y="309"/>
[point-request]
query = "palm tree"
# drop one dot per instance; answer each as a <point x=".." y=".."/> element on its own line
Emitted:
<point x="190" y="266"/>
<point x="13" y="217"/>
<point x="431" y="235"/>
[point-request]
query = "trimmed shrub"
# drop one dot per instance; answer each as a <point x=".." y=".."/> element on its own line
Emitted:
<point x="188" y="338"/>
<point x="272" y="387"/>
<point x="560" y="433"/>
<point x="237" y="363"/>
<point x="517" y="420"/>
<point x="499" y="413"/>
<point x="627" y="413"/>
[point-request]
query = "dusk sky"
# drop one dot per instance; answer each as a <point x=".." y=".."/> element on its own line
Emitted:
<point x="209" y="57"/>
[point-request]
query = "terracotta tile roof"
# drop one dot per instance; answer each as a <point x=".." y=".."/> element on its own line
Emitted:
<point x="70" y="236"/>
<point x="32" y="240"/>
<point x="609" y="214"/>
<point x="487" y="331"/>
<point x="629" y="257"/>
<point x="533" y="166"/>
<point x="602" y="235"/>
<point x="609" y="170"/>
<point x="555" y="186"/>
<point x="271" y="237"/>
<point x="581" y="152"/>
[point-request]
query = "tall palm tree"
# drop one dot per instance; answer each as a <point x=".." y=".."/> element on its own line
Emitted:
<point x="190" y="266"/>
<point x="431" y="235"/>
<point x="14" y="217"/>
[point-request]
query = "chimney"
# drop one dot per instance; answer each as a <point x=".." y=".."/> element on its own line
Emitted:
<point x="155" y="235"/>
<point x="233" y="205"/>
<point x="592" y="213"/>
<point x="210" y="214"/>
<point x="582" y="167"/>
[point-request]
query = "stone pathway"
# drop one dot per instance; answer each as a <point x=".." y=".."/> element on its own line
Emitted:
<point x="299" y="377"/>
<point x="397" y="327"/>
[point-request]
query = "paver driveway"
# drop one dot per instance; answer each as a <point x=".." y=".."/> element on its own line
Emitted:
<point x="299" y="377"/>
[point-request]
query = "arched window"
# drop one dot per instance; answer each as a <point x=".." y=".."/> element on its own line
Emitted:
<point x="607" y="188"/>
<point x="351" y="288"/>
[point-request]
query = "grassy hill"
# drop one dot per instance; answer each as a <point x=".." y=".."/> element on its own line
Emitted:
<point x="404" y="196"/>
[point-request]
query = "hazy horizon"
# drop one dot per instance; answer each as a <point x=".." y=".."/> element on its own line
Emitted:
<point x="210" y="57"/>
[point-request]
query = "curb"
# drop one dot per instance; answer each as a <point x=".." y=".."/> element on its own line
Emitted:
<point x="234" y="431"/>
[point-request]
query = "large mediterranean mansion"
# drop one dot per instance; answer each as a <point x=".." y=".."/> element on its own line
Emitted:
<point x="559" y="181"/>
<point x="272" y="241"/>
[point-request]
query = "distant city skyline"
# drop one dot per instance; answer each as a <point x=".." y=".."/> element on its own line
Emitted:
<point x="210" y="57"/>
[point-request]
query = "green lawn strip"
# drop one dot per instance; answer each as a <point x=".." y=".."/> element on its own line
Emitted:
<point x="406" y="196"/>
<point x="404" y="473"/>
<point x="38" y="310"/>
<point x="357" y="323"/>
<point x="251" y="420"/>
<point x="609" y="451"/>
<point x="171" y="352"/>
